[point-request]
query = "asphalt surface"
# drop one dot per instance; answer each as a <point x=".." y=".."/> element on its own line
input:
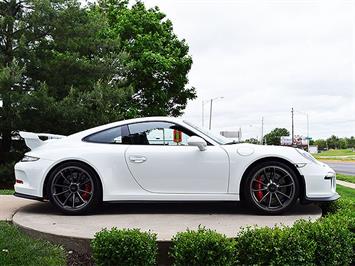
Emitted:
<point x="346" y="168"/>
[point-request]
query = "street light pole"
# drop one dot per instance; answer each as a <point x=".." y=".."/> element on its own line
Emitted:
<point x="211" y="104"/>
<point x="262" y="131"/>
<point x="307" y="115"/>
<point x="307" y="126"/>
<point x="203" y="113"/>
<point x="209" y="127"/>
<point x="293" y="128"/>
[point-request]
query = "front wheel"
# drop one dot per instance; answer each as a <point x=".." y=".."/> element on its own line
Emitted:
<point x="271" y="188"/>
<point x="73" y="188"/>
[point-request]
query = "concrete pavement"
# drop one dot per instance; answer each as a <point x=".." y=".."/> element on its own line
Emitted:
<point x="9" y="205"/>
<point x="346" y="184"/>
<point x="40" y="220"/>
<point x="164" y="219"/>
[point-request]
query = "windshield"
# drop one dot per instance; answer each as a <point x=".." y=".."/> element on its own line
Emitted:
<point x="216" y="137"/>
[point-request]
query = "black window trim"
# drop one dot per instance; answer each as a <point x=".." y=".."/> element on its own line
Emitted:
<point x="126" y="133"/>
<point x="164" y="121"/>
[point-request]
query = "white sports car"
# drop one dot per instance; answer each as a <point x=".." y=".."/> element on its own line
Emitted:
<point x="166" y="159"/>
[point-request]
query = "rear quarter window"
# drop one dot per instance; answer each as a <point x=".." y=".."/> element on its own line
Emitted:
<point x="110" y="136"/>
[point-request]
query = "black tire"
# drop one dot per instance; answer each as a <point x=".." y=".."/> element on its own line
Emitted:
<point x="271" y="188"/>
<point x="74" y="188"/>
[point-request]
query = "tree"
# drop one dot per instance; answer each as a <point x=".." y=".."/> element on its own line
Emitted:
<point x="321" y="143"/>
<point x="342" y="143"/>
<point x="252" y="141"/>
<point x="351" y="142"/>
<point x="64" y="68"/>
<point x="51" y="44"/>
<point x="273" y="138"/>
<point x="333" y="142"/>
<point x="157" y="62"/>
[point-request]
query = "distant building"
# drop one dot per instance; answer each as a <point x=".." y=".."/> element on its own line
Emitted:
<point x="313" y="149"/>
<point x="232" y="134"/>
<point x="299" y="141"/>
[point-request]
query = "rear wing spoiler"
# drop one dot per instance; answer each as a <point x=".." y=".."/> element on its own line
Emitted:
<point x="33" y="140"/>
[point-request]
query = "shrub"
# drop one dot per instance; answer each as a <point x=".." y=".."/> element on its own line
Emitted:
<point x="202" y="247"/>
<point x="7" y="175"/>
<point x="277" y="246"/>
<point x="124" y="247"/>
<point x="333" y="239"/>
<point x="333" y="207"/>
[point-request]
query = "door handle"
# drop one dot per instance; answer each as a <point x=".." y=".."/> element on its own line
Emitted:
<point x="137" y="159"/>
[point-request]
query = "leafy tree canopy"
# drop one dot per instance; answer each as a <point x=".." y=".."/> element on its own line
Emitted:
<point x="273" y="138"/>
<point x="157" y="63"/>
<point x="64" y="68"/>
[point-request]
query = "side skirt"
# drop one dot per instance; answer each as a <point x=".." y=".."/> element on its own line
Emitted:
<point x="155" y="197"/>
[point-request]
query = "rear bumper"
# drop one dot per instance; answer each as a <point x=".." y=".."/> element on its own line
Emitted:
<point x="25" y="196"/>
<point x="31" y="175"/>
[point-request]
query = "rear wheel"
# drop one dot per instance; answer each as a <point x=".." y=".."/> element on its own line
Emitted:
<point x="271" y="188"/>
<point x="74" y="188"/>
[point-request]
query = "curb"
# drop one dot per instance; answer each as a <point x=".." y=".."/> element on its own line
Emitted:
<point x="82" y="245"/>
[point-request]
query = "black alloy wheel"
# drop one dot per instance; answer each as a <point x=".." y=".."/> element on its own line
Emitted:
<point x="74" y="188"/>
<point x="271" y="188"/>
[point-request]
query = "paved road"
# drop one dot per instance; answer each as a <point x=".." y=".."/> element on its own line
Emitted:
<point x="346" y="168"/>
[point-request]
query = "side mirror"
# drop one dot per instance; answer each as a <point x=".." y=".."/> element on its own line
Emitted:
<point x="197" y="141"/>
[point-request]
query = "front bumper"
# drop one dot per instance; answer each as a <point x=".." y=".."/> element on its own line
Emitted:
<point x="323" y="199"/>
<point x="320" y="183"/>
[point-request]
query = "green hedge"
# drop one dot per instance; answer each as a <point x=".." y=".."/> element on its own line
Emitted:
<point x="202" y="247"/>
<point x="343" y="206"/>
<point x="124" y="247"/>
<point x="332" y="237"/>
<point x="327" y="241"/>
<point x="278" y="246"/>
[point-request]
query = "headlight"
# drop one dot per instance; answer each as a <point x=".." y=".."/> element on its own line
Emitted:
<point x="29" y="159"/>
<point x="307" y="155"/>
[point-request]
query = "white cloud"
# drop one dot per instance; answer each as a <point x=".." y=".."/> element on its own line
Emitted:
<point x="265" y="57"/>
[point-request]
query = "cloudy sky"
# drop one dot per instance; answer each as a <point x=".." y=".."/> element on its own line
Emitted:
<point x="265" y="57"/>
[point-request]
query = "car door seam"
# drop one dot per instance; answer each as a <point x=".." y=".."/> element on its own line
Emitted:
<point x="229" y="168"/>
<point x="125" y="158"/>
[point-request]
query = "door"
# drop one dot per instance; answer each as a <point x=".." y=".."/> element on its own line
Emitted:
<point x="160" y="160"/>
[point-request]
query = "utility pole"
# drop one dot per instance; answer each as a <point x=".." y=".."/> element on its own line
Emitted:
<point x="211" y="103"/>
<point x="293" y="128"/>
<point x="209" y="127"/>
<point x="307" y="126"/>
<point x="307" y="115"/>
<point x="203" y="113"/>
<point x="262" y="131"/>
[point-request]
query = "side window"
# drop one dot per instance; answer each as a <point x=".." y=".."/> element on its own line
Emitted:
<point x="158" y="133"/>
<point x="111" y="136"/>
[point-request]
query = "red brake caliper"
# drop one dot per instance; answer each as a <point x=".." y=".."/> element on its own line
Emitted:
<point x="87" y="190"/>
<point x="259" y="194"/>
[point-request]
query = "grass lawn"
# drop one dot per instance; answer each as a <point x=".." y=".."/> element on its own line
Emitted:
<point x="7" y="191"/>
<point x="344" y="155"/>
<point x="347" y="195"/>
<point x="347" y="178"/>
<point x="16" y="248"/>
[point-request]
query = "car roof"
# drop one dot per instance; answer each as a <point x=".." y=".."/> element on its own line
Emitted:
<point x="81" y="134"/>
